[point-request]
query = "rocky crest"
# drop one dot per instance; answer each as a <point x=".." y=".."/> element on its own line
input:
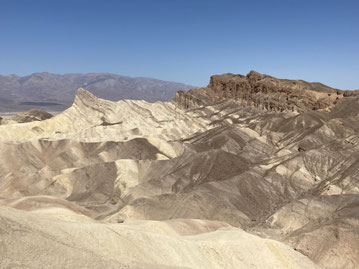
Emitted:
<point x="264" y="92"/>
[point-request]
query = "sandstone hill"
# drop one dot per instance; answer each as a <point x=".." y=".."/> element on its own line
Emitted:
<point x="249" y="172"/>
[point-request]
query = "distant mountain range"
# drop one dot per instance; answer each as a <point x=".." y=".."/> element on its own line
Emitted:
<point x="56" y="92"/>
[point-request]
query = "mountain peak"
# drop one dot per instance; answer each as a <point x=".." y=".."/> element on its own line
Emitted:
<point x="84" y="96"/>
<point x="255" y="74"/>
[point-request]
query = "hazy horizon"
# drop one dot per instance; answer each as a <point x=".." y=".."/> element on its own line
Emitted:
<point x="183" y="41"/>
<point x="136" y="77"/>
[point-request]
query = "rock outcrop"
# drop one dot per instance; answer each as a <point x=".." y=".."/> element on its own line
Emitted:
<point x="264" y="92"/>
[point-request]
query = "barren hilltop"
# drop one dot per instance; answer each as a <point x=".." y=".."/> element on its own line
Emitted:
<point x="248" y="172"/>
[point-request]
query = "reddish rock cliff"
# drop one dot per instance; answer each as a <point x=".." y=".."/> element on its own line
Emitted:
<point x="264" y="92"/>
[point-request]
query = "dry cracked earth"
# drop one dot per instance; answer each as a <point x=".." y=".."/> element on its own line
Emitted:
<point x="248" y="172"/>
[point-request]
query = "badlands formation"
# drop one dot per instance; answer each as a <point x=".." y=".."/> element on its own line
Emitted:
<point x="248" y="172"/>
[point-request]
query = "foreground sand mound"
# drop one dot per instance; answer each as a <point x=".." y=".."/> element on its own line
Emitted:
<point x="36" y="240"/>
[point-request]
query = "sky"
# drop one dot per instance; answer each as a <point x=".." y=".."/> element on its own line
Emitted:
<point x="183" y="41"/>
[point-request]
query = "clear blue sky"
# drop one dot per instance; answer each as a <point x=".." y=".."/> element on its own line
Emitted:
<point x="185" y="41"/>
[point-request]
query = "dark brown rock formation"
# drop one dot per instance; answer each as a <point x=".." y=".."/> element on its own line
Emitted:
<point x="264" y="92"/>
